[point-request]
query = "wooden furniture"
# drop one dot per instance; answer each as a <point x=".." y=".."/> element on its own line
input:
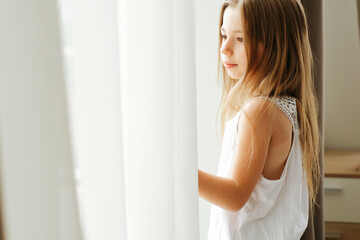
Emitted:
<point x="342" y="195"/>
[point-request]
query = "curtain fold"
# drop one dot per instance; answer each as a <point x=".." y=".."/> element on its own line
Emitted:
<point x="157" y="74"/>
<point x="91" y="50"/>
<point x="316" y="224"/>
<point x="101" y="144"/>
<point x="38" y="186"/>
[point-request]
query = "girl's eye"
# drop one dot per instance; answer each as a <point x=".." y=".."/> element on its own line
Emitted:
<point x="240" y="39"/>
<point x="223" y="37"/>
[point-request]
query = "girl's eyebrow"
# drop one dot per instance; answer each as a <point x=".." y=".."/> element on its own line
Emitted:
<point x="223" y="29"/>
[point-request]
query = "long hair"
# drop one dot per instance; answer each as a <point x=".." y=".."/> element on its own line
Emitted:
<point x="285" y="68"/>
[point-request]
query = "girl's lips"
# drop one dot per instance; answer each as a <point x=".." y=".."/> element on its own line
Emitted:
<point x="229" y="65"/>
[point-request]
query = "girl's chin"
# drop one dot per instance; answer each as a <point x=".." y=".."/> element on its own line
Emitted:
<point x="235" y="76"/>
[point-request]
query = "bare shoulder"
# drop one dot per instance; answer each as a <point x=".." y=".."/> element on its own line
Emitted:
<point x="260" y="111"/>
<point x="257" y="103"/>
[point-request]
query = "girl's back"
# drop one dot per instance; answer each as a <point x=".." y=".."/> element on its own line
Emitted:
<point x="280" y="143"/>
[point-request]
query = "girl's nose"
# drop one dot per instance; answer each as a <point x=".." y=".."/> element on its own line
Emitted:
<point x="225" y="49"/>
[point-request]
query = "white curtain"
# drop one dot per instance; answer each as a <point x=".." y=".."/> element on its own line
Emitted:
<point x="37" y="183"/>
<point x="98" y="127"/>
<point x="159" y="118"/>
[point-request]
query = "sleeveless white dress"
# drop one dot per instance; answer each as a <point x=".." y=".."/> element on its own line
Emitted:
<point x="277" y="209"/>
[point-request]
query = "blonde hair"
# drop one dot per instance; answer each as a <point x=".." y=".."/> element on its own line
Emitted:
<point x="285" y="68"/>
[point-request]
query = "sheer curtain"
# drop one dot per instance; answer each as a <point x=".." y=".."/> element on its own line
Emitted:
<point x="90" y="47"/>
<point x="157" y="68"/>
<point x="37" y="183"/>
<point x="98" y="120"/>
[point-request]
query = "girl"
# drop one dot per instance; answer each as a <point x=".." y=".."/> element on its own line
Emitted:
<point x="269" y="168"/>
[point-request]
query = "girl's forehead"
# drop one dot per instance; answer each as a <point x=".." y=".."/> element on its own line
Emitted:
<point x="232" y="21"/>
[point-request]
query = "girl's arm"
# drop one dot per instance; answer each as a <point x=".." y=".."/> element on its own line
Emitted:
<point x="218" y="190"/>
<point x="232" y="193"/>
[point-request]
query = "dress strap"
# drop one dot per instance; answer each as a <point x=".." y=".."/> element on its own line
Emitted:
<point x="288" y="106"/>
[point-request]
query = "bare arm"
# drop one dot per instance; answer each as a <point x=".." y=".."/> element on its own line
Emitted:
<point x="232" y="193"/>
<point x="218" y="190"/>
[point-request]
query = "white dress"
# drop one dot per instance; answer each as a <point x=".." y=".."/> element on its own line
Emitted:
<point x="277" y="209"/>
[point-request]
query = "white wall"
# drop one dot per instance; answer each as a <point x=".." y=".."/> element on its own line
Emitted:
<point x="208" y="95"/>
<point x="342" y="75"/>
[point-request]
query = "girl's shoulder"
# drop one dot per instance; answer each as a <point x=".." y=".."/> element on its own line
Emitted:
<point x="287" y="105"/>
<point x="279" y="98"/>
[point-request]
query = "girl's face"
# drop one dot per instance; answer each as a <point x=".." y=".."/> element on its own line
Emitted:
<point x="233" y="55"/>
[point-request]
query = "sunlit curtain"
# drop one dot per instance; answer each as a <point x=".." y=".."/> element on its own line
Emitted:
<point x="37" y="180"/>
<point x="90" y="47"/>
<point x="157" y="72"/>
<point x="98" y="120"/>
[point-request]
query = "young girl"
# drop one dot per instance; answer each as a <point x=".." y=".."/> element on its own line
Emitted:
<point x="269" y="168"/>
